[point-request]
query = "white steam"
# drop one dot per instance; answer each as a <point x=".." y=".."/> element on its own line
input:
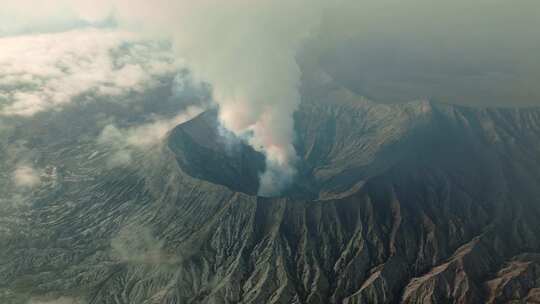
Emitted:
<point x="247" y="52"/>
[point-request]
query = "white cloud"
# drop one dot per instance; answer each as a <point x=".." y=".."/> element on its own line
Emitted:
<point x="26" y="176"/>
<point x="147" y="134"/>
<point x="46" y="71"/>
<point x="124" y="140"/>
<point x="136" y="243"/>
<point x="19" y="16"/>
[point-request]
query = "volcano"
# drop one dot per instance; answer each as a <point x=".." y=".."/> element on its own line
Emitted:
<point x="418" y="202"/>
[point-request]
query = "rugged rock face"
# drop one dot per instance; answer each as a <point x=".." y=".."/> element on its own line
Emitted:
<point x="409" y="203"/>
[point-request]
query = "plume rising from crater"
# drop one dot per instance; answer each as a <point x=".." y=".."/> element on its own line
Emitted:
<point x="248" y="56"/>
<point x="247" y="51"/>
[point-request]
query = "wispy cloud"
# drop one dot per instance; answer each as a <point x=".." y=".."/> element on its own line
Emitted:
<point x="26" y="176"/>
<point x="137" y="244"/>
<point x="125" y="140"/>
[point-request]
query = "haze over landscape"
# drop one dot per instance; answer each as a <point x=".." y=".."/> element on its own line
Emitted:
<point x="178" y="151"/>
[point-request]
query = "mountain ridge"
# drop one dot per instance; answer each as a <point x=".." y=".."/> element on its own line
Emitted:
<point x="418" y="203"/>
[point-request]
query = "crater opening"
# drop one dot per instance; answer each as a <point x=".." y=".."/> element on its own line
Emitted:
<point x="206" y="151"/>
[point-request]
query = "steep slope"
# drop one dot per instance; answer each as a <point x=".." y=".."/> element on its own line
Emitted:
<point x="410" y="203"/>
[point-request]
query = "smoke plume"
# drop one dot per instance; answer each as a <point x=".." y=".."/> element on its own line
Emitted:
<point x="247" y="51"/>
<point x="251" y="64"/>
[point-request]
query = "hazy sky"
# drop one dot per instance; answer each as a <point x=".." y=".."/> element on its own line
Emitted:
<point x="471" y="52"/>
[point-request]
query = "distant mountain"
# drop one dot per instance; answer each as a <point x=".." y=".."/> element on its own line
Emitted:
<point x="407" y="203"/>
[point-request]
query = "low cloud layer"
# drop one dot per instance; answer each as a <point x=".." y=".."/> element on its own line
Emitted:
<point x="47" y="71"/>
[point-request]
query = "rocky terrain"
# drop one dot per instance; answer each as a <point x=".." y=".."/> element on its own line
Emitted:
<point x="408" y="203"/>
